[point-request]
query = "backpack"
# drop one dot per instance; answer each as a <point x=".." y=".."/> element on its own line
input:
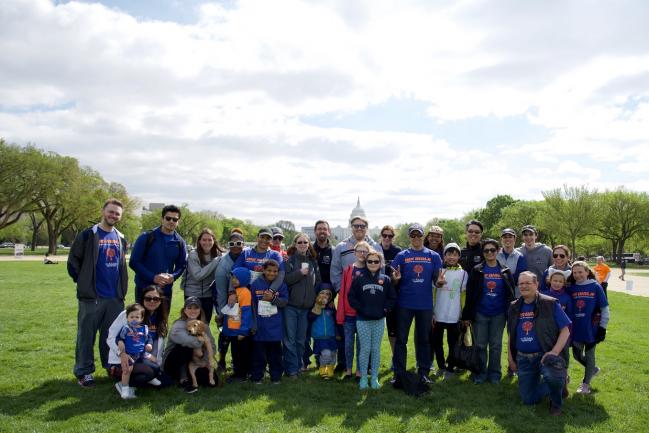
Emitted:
<point x="412" y="384"/>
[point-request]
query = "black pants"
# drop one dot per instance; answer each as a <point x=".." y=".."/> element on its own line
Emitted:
<point x="241" y="356"/>
<point x="176" y="363"/>
<point x="340" y="342"/>
<point x="437" y="343"/>
<point x="423" y="322"/>
<point x="266" y="353"/>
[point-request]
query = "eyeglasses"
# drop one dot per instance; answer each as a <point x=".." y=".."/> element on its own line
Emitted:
<point x="152" y="299"/>
<point x="556" y="256"/>
<point x="373" y="262"/>
<point x="302" y="242"/>
<point x="359" y="226"/>
<point x="235" y="244"/>
<point x="174" y="219"/>
<point x="415" y="235"/>
<point x="385" y="235"/>
<point x="278" y="238"/>
<point x="474" y="232"/>
<point x="488" y="250"/>
<point x="361" y="251"/>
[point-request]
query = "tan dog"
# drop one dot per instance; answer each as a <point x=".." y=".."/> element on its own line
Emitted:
<point x="198" y="329"/>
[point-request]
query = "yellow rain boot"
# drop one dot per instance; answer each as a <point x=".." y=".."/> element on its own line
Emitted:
<point x="330" y="371"/>
<point x="323" y="372"/>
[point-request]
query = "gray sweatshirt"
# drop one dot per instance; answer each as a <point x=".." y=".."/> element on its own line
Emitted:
<point x="538" y="258"/>
<point x="198" y="279"/>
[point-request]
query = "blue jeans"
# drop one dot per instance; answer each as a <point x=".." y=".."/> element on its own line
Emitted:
<point x="295" y="322"/>
<point x="350" y="333"/>
<point x="535" y="381"/>
<point x="489" y="333"/>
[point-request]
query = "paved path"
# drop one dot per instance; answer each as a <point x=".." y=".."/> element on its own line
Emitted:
<point x="639" y="277"/>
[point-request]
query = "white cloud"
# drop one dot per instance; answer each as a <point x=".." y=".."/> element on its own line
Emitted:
<point x="210" y="112"/>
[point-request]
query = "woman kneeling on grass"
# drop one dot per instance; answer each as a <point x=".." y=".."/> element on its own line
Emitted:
<point x="590" y="315"/>
<point x="156" y="311"/>
<point x="372" y="296"/>
<point x="181" y="344"/>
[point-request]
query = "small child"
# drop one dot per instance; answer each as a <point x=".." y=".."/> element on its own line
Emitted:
<point x="134" y="344"/>
<point x="323" y="330"/>
<point x="449" y="292"/>
<point x="239" y="325"/>
<point x="267" y="342"/>
<point x="557" y="283"/>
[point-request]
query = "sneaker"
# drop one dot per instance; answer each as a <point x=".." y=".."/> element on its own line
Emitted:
<point x="374" y="383"/>
<point x="276" y="382"/>
<point x="86" y="381"/>
<point x="155" y="382"/>
<point x="584" y="388"/>
<point x="131" y="392"/>
<point x="362" y="383"/>
<point x="258" y="382"/>
<point x="425" y="379"/>
<point x="191" y="389"/>
<point x="118" y="387"/>
<point x="124" y="391"/>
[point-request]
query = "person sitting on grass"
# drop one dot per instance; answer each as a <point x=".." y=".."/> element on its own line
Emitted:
<point x="181" y="344"/>
<point x="156" y="311"/>
<point x="48" y="261"/>
<point x="267" y="341"/>
<point x="135" y="346"/>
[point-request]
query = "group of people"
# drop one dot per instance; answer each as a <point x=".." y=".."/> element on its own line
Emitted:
<point x="275" y="309"/>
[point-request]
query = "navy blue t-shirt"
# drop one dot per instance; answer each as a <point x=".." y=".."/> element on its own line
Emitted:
<point x="107" y="269"/>
<point x="493" y="300"/>
<point x="417" y="271"/>
<point x="526" y="339"/>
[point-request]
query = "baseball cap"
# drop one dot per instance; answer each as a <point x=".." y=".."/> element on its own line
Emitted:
<point x="265" y="231"/>
<point x="508" y="231"/>
<point x="416" y="227"/>
<point x="193" y="300"/>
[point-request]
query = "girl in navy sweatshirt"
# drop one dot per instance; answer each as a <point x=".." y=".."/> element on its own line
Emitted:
<point x="372" y="296"/>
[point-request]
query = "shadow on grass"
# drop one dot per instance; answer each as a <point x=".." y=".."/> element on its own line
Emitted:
<point x="311" y="403"/>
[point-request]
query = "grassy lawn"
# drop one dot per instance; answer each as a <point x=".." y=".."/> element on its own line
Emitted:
<point x="39" y="393"/>
<point x="39" y="251"/>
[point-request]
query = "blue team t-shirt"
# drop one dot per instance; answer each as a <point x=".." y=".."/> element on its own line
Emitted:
<point x="586" y="298"/>
<point x="493" y="300"/>
<point x="416" y="284"/>
<point x="107" y="268"/>
<point x="254" y="261"/>
<point x="134" y="338"/>
<point x="563" y="297"/>
<point x="526" y="339"/>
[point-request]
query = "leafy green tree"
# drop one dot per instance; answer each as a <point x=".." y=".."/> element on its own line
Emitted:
<point x="491" y="214"/>
<point x="571" y="213"/>
<point x="623" y="215"/>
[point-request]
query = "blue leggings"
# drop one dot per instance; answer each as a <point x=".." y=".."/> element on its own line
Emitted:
<point x="370" y="335"/>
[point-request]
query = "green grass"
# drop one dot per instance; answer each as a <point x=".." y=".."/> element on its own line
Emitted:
<point x="39" y="393"/>
<point x="40" y="251"/>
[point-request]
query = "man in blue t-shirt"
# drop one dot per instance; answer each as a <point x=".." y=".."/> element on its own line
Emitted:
<point x="159" y="256"/>
<point x="415" y="270"/>
<point x="97" y="264"/>
<point x="538" y="332"/>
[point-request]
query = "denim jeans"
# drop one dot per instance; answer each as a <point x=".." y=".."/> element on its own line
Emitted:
<point x="489" y="333"/>
<point x="349" y="328"/>
<point x="423" y="323"/>
<point x="535" y="381"/>
<point x="295" y="322"/>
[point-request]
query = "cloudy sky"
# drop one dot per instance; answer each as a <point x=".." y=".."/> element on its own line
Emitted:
<point x="291" y="109"/>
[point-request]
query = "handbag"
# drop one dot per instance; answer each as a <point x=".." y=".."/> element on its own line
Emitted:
<point x="466" y="353"/>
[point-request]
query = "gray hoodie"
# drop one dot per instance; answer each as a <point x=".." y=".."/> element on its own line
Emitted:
<point x="538" y="258"/>
<point x="197" y="279"/>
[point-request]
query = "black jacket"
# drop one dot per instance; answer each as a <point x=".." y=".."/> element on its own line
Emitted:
<point x="474" y="289"/>
<point x="470" y="256"/>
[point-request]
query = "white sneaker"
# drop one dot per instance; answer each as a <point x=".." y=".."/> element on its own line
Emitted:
<point x="131" y="392"/>
<point x="155" y="382"/>
<point x="118" y="387"/>
<point x="125" y="392"/>
<point x="584" y="388"/>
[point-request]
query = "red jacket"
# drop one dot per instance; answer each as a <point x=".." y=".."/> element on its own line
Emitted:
<point x="344" y="309"/>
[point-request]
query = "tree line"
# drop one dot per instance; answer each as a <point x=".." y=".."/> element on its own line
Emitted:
<point x="48" y="198"/>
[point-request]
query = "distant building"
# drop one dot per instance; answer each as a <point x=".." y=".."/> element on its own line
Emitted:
<point x="155" y="206"/>
<point x="339" y="233"/>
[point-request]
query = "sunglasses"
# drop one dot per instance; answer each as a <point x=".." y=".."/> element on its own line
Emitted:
<point x="474" y="232"/>
<point x="359" y="226"/>
<point x="373" y="262"/>
<point x="385" y="235"/>
<point x="278" y="237"/>
<point x="302" y="242"/>
<point x="152" y="299"/>
<point x="563" y="256"/>
<point x="174" y="219"/>
<point x="235" y="244"/>
<point x="416" y="235"/>
<point x="489" y="250"/>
